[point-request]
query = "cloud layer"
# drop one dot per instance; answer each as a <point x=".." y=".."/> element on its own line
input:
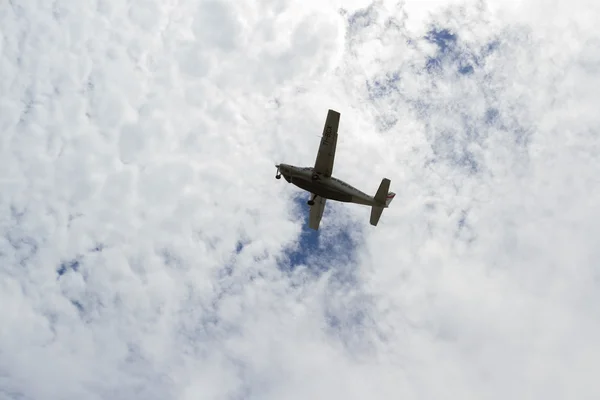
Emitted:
<point x="146" y="251"/>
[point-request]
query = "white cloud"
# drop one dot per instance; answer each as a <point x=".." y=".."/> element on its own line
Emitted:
<point x="144" y="246"/>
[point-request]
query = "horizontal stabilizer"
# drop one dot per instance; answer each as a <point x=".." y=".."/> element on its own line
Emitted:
<point x="375" y="215"/>
<point x="382" y="192"/>
<point x="383" y="198"/>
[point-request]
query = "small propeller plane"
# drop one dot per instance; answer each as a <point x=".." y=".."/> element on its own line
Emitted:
<point x="322" y="185"/>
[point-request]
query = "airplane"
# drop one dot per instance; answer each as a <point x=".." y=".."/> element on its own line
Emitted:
<point x="322" y="185"/>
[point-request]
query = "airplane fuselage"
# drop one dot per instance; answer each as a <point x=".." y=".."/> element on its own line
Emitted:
<point x="326" y="187"/>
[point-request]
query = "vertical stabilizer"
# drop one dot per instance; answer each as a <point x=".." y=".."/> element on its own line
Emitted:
<point x="389" y="198"/>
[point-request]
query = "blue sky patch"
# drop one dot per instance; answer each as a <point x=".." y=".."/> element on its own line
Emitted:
<point x="72" y="265"/>
<point x="318" y="251"/>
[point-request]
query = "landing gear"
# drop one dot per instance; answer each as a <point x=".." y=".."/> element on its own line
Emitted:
<point x="311" y="202"/>
<point x="278" y="175"/>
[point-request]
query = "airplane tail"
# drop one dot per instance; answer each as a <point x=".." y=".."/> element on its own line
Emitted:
<point x="383" y="197"/>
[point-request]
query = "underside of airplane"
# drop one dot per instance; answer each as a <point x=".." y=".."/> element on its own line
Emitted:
<point x="318" y="180"/>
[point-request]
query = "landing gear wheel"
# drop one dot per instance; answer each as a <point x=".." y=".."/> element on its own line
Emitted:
<point x="310" y="203"/>
<point x="278" y="176"/>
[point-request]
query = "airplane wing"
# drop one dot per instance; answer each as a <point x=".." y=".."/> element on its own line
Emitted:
<point x="316" y="212"/>
<point x="326" y="154"/>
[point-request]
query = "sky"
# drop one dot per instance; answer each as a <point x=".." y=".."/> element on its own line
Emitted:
<point x="147" y="252"/>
